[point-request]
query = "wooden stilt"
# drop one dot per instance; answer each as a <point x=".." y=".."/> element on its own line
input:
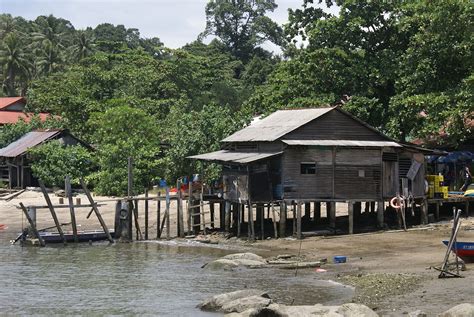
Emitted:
<point x="298" y="220"/>
<point x="222" y="215"/>
<point x="51" y="209"/>
<point x="146" y="214"/>
<point x="32" y="225"/>
<point x="275" y="230"/>
<point x="350" y="211"/>
<point x="331" y="211"/>
<point x="437" y="211"/>
<point x="317" y="212"/>
<point x="466" y="207"/>
<point x="239" y="219"/>
<point x="282" y="219"/>
<point x="189" y="209"/>
<point x="158" y="216"/>
<point x="138" y="231"/>
<point x="180" y="211"/>
<point x="251" y="223"/>
<point x="262" y="222"/>
<point x="71" y="208"/>
<point x="380" y="213"/>
<point x="211" y="210"/>
<point x="227" y="216"/>
<point x="96" y="210"/>
<point x="424" y="212"/>
<point x="167" y="214"/>
<point x="307" y="211"/>
<point x="294" y="218"/>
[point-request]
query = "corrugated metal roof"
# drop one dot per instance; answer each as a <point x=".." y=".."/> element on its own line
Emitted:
<point x="343" y="143"/>
<point x="27" y="141"/>
<point x="276" y="125"/>
<point x="234" y="157"/>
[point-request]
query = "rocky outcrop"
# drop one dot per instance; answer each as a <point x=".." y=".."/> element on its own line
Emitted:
<point x="231" y="261"/>
<point x="217" y="302"/>
<point x="462" y="310"/>
<point x="255" y="303"/>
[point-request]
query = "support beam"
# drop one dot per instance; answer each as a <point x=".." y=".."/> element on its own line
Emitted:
<point x="424" y="212"/>
<point x="32" y="225"/>
<point x="227" y="216"/>
<point x="158" y="217"/>
<point x="211" y="210"/>
<point x="251" y="223"/>
<point x="307" y="211"/>
<point x="298" y="220"/>
<point x="317" y="212"/>
<point x="350" y="211"/>
<point x="146" y="214"/>
<point x="282" y="219"/>
<point x="331" y="212"/>
<point x="380" y="214"/>
<point x="71" y="208"/>
<point x="52" y="211"/>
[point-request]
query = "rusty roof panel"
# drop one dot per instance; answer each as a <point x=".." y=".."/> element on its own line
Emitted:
<point x="27" y="141"/>
<point x="234" y="157"/>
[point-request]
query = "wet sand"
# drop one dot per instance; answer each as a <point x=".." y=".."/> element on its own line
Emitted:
<point x="390" y="269"/>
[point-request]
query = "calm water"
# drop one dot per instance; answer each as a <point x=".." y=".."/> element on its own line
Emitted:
<point x="137" y="279"/>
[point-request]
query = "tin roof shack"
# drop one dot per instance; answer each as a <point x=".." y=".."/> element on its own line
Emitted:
<point x="313" y="155"/>
<point x="14" y="164"/>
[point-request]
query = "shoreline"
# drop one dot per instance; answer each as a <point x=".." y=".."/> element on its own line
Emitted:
<point x="397" y="260"/>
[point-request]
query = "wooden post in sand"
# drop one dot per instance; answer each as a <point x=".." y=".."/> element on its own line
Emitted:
<point x="298" y="220"/>
<point x="71" y="207"/>
<point x="317" y="211"/>
<point x="424" y="212"/>
<point x="350" y="211"/>
<point x="158" y="216"/>
<point x="282" y="219"/>
<point x="32" y="224"/>
<point x="51" y="209"/>
<point x="380" y="211"/>
<point x="146" y="214"/>
<point x="331" y="212"/>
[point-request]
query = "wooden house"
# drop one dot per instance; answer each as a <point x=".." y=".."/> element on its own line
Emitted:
<point x="14" y="162"/>
<point x="321" y="154"/>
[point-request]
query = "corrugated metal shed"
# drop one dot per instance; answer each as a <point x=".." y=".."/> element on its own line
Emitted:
<point x="234" y="157"/>
<point x="342" y="143"/>
<point x="27" y="141"/>
<point x="276" y="125"/>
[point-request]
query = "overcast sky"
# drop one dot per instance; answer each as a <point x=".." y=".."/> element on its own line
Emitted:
<point x="175" y="22"/>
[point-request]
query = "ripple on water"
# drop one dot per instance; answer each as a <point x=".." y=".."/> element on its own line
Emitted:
<point x="138" y="278"/>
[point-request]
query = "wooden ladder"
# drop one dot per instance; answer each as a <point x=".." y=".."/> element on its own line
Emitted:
<point x="201" y="213"/>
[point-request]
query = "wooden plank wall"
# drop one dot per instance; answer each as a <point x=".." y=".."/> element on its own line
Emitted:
<point x="334" y="125"/>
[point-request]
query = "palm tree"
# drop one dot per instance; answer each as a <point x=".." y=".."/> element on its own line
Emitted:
<point x="83" y="45"/>
<point x="49" y="57"/>
<point x="14" y="62"/>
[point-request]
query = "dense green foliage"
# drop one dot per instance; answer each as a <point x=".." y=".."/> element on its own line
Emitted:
<point x="404" y="67"/>
<point x="52" y="161"/>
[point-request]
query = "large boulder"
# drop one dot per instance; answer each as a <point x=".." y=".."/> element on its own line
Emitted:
<point x="215" y="303"/>
<point x="461" y="310"/>
<point x="276" y="310"/>
<point x="246" y="303"/>
<point x="245" y="256"/>
<point x="221" y="264"/>
<point x="356" y="310"/>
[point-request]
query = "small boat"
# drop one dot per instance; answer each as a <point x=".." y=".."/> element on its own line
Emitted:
<point x="464" y="250"/>
<point x="82" y="236"/>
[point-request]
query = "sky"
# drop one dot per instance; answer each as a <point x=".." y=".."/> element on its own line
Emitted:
<point x="175" y="22"/>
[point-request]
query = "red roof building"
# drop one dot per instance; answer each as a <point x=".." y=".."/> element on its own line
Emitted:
<point x="12" y="110"/>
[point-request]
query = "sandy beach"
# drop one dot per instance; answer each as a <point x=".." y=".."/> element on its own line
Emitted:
<point x="390" y="269"/>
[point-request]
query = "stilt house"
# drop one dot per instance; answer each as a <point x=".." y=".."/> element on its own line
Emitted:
<point x="14" y="162"/>
<point x="320" y="154"/>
